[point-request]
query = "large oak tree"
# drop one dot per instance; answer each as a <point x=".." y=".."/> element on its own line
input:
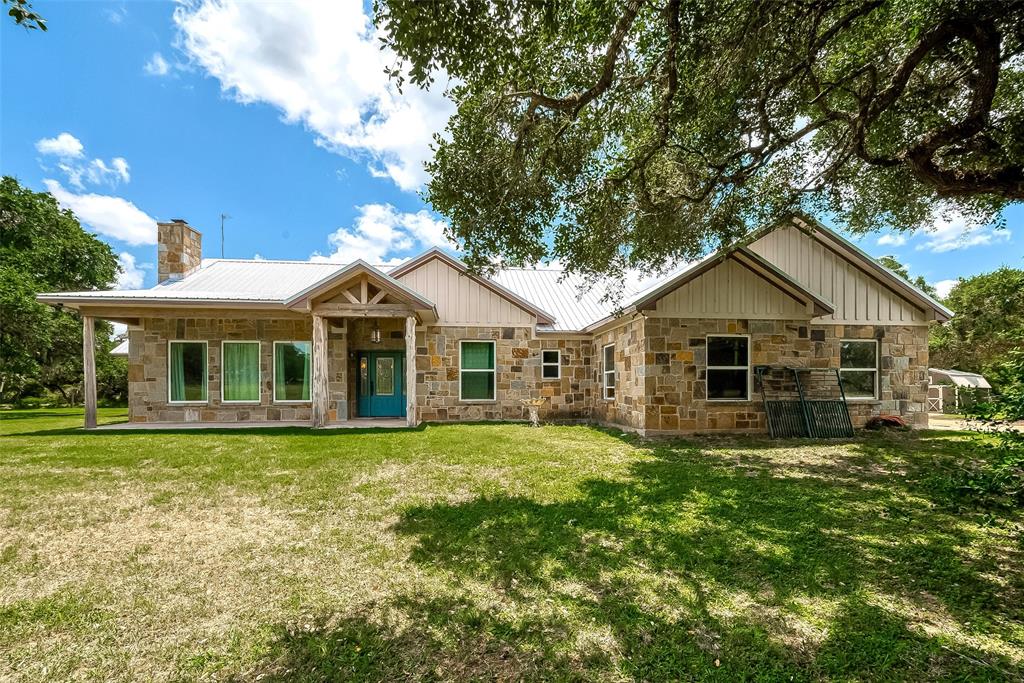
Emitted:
<point x="632" y="133"/>
<point x="44" y="248"/>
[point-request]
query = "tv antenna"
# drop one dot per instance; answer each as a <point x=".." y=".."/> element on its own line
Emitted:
<point x="223" y="217"/>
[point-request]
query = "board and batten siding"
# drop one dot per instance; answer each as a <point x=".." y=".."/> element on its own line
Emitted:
<point x="461" y="300"/>
<point x="858" y="298"/>
<point x="729" y="290"/>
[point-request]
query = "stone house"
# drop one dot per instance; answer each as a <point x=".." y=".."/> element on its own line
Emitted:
<point x="228" y="341"/>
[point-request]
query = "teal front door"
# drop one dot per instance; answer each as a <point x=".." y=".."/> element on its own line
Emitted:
<point x="380" y="386"/>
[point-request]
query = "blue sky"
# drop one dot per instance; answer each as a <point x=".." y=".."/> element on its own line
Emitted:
<point x="132" y="112"/>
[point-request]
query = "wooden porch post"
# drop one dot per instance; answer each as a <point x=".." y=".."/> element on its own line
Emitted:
<point x="89" y="366"/>
<point x="410" y="370"/>
<point x="320" y="371"/>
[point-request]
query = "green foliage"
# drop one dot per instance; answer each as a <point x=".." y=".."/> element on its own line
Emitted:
<point x="45" y="249"/>
<point x="23" y="15"/>
<point x="621" y="133"/>
<point x="988" y="324"/>
<point x="895" y="266"/>
<point x="997" y="468"/>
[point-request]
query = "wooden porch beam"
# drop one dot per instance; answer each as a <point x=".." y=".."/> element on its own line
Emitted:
<point x="360" y="311"/>
<point x="89" y="366"/>
<point x="320" y="385"/>
<point x="410" y="371"/>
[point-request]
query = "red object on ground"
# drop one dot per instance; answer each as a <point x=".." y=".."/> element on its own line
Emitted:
<point x="886" y="422"/>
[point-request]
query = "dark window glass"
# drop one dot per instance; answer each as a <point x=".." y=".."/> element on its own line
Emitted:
<point x="858" y="354"/>
<point x="727" y="384"/>
<point x="550" y="364"/>
<point x="727" y="351"/>
<point x="859" y="383"/>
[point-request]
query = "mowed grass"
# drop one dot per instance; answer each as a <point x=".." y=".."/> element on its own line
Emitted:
<point x="500" y="552"/>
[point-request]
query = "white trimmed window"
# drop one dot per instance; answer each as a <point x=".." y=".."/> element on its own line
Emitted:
<point x="728" y="372"/>
<point x="608" y="372"/>
<point x="293" y="361"/>
<point x="240" y="372"/>
<point x="551" y="364"/>
<point x="858" y="367"/>
<point x="186" y="372"/>
<point x="477" y="381"/>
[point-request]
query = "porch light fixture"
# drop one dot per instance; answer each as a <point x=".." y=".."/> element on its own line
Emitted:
<point x="375" y="333"/>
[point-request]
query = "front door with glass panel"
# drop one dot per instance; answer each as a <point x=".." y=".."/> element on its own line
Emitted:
<point x="380" y="387"/>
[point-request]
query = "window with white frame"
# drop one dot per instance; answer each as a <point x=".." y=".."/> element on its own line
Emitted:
<point x="476" y="371"/>
<point x="728" y="371"/>
<point x="240" y="372"/>
<point x="551" y="364"/>
<point x="186" y="371"/>
<point x="858" y="367"/>
<point x="608" y="372"/>
<point x="293" y="361"/>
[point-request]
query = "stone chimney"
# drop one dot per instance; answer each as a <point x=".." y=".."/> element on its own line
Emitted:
<point x="179" y="250"/>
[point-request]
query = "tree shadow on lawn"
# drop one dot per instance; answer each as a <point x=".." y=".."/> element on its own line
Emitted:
<point x="701" y="563"/>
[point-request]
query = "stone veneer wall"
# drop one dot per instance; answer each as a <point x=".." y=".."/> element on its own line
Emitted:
<point x="660" y="365"/>
<point x="179" y="250"/>
<point x="517" y="360"/>
<point x="629" y="405"/>
<point x="675" y="366"/>
<point x="147" y="368"/>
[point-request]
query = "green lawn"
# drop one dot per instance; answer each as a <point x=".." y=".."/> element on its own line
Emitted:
<point x="495" y="552"/>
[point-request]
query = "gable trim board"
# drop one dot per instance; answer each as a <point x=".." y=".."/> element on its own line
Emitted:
<point x="359" y="267"/>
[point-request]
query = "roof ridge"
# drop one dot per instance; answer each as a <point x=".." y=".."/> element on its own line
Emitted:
<point x="277" y="260"/>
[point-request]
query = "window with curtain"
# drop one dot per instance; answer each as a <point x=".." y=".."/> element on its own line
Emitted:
<point x="608" y="372"/>
<point x="476" y="371"/>
<point x="728" y="373"/>
<point x="292" y="362"/>
<point x="187" y="370"/>
<point x="858" y="367"/>
<point x="551" y="364"/>
<point x="240" y="371"/>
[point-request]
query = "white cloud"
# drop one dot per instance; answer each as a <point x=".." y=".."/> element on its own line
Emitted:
<point x="944" y="287"/>
<point x="67" y="148"/>
<point x="381" y="232"/>
<point x="952" y="231"/>
<point x="132" y="274"/>
<point x="321" y="64"/>
<point x="64" y="146"/>
<point x="157" y="65"/>
<point x="891" y="240"/>
<point x="109" y="216"/>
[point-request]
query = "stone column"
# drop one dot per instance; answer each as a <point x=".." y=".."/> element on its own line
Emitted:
<point x="89" y="367"/>
<point x="320" y="389"/>
<point x="410" y="371"/>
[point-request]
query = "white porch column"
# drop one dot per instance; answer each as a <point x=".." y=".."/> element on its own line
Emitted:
<point x="89" y="367"/>
<point x="410" y="371"/>
<point x="320" y="370"/>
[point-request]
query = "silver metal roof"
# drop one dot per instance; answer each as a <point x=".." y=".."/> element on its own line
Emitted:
<point x="959" y="378"/>
<point x="573" y="305"/>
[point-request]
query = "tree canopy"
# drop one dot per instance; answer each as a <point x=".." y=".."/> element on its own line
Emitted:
<point x="988" y="323"/>
<point x="632" y="133"/>
<point x="918" y="281"/>
<point x="44" y="248"/>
